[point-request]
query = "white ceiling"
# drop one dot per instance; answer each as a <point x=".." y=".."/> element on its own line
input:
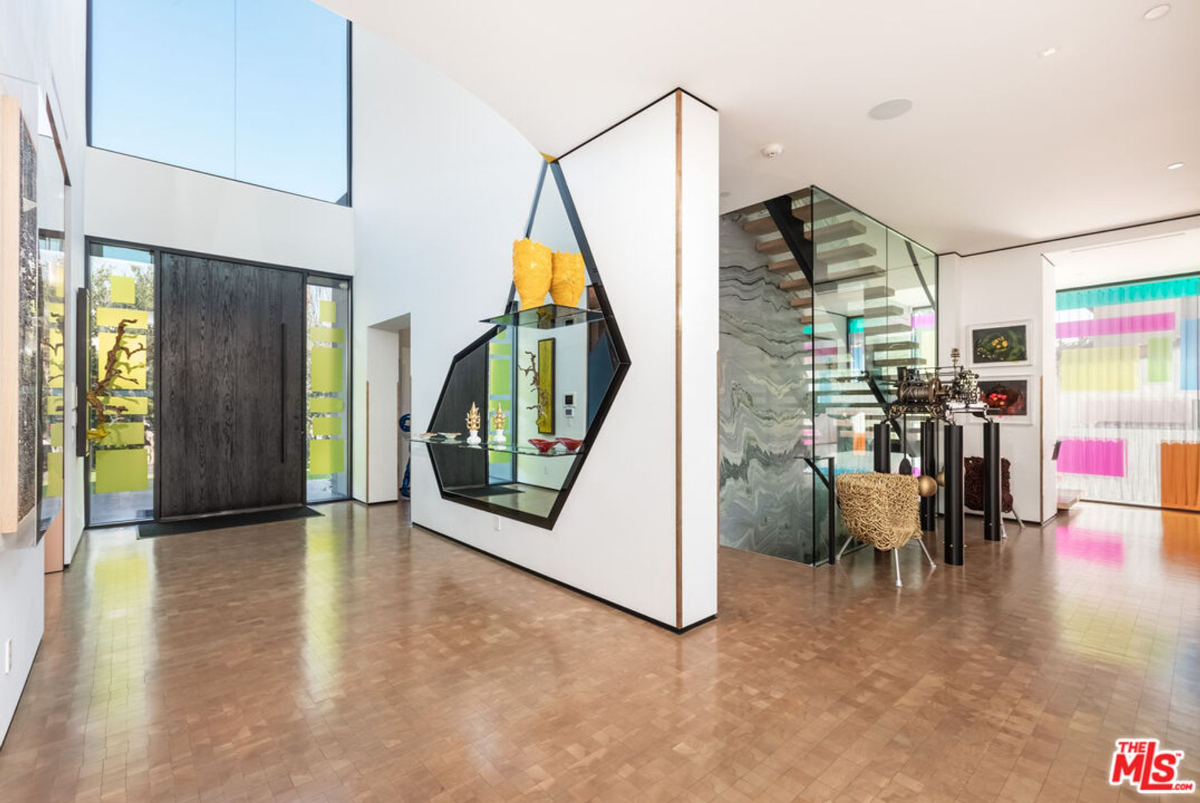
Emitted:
<point x="1002" y="146"/>
<point x="1128" y="260"/>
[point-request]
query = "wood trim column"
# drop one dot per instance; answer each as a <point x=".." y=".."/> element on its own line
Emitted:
<point x="678" y="359"/>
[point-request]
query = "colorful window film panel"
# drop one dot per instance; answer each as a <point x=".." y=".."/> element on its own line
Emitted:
<point x="133" y="318"/>
<point x="1102" y="368"/>
<point x="325" y="404"/>
<point x="1117" y="325"/>
<point x="1095" y="456"/>
<point x="1180" y="472"/>
<point x="1159" y="353"/>
<point x="1163" y="290"/>
<point x="325" y="426"/>
<point x="1189" y="354"/>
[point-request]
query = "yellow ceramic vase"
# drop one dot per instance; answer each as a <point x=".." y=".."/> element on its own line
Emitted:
<point x="566" y="286"/>
<point x="532" y="269"/>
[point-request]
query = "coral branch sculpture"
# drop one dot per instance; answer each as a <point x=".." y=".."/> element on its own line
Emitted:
<point x="117" y="365"/>
<point x="473" y="418"/>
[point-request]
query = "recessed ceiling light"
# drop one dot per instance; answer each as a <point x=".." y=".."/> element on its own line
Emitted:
<point x="1048" y="52"/>
<point x="890" y="109"/>
<point x="1175" y="165"/>
<point x="1157" y="13"/>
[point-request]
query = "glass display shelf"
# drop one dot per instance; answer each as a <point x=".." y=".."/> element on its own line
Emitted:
<point x="525" y="449"/>
<point x="547" y="316"/>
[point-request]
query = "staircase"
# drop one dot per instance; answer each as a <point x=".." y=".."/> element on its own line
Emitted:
<point x="833" y="263"/>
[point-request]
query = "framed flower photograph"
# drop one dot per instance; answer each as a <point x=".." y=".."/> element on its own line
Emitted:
<point x="999" y="345"/>
<point x="1007" y="398"/>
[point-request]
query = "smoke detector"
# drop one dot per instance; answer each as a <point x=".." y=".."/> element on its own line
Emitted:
<point x="772" y="150"/>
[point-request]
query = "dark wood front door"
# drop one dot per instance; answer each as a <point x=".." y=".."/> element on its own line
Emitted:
<point x="230" y="389"/>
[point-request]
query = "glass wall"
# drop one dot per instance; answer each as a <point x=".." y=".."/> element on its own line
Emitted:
<point x="1129" y="392"/>
<point x="120" y="392"/>
<point x="328" y="311"/>
<point x="253" y="90"/>
<point x="53" y="263"/>
<point x="815" y="324"/>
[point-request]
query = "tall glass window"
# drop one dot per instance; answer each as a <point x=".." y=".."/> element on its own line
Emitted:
<point x="52" y="259"/>
<point x="253" y="90"/>
<point x="328" y="311"/>
<point x="120" y="392"/>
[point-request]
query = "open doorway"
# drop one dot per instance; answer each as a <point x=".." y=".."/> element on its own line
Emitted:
<point x="388" y="394"/>
<point x="404" y="410"/>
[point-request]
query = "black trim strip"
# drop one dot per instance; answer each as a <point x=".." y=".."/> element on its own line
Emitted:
<point x="1081" y="235"/>
<point x="629" y="117"/>
<point x="670" y="628"/>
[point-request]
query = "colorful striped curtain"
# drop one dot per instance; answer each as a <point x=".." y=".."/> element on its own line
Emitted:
<point x="1129" y="390"/>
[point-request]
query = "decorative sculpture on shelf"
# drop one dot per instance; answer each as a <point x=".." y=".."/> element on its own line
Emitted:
<point x="567" y="281"/>
<point x="473" y="425"/>
<point x="498" y="421"/>
<point x="532" y="271"/>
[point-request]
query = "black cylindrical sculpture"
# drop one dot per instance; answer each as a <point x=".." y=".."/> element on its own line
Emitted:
<point x="991" y="479"/>
<point x="883" y="448"/>
<point x="929" y="469"/>
<point x="952" y="468"/>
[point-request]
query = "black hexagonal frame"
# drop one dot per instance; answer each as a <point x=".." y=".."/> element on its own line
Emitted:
<point x="464" y="474"/>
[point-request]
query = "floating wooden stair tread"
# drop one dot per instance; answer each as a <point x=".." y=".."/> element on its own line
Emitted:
<point x="803" y="302"/>
<point x="851" y="275"/>
<point x="794" y="284"/>
<point x="911" y="362"/>
<point x="895" y="345"/>
<point x="838" y="231"/>
<point x="891" y="328"/>
<point x="846" y="253"/>
<point x="882" y="313"/>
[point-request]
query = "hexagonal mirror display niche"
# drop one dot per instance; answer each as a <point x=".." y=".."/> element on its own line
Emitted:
<point x="522" y="406"/>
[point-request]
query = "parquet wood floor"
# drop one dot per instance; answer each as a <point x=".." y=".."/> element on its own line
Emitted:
<point x="347" y="658"/>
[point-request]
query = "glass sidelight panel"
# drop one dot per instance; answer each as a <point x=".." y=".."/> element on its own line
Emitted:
<point x="328" y="386"/>
<point x="52" y="259"/>
<point x="120" y="391"/>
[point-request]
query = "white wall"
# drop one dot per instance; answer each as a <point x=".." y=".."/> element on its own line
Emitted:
<point x="150" y="203"/>
<point x="1011" y="285"/>
<point x="442" y="187"/>
<point x="42" y="41"/>
<point x="383" y="374"/>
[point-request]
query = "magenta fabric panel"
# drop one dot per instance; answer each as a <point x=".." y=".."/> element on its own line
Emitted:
<point x="1101" y="458"/>
<point x="1118" y="325"/>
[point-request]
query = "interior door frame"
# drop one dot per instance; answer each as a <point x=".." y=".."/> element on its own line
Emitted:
<point x="156" y="251"/>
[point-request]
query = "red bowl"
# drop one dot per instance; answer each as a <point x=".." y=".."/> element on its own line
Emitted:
<point x="571" y="443"/>
<point x="544" y="446"/>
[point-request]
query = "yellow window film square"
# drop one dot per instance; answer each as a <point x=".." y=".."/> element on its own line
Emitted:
<point x="122" y="290"/>
<point x="326" y="334"/>
<point x="133" y="375"/>
<point x="327" y="456"/>
<point x="137" y="318"/>
<point x="328" y="311"/>
<point x="327" y="369"/>
<point x="126" y="433"/>
<point x="326" y="404"/>
<point x="326" y="425"/>
<point x="119" y="470"/>
<point x="54" y="474"/>
<point x="134" y="405"/>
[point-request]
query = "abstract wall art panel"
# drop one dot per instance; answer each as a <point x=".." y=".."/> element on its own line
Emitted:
<point x="20" y="352"/>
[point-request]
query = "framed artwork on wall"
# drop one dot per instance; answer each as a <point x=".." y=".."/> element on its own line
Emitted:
<point x="999" y="345"/>
<point x="546" y="400"/>
<point x="1007" y="398"/>
<point x="20" y="324"/>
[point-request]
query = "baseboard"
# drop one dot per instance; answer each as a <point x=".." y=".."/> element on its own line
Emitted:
<point x="670" y="628"/>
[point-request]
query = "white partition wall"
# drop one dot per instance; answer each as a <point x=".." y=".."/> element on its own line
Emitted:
<point x="441" y="195"/>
